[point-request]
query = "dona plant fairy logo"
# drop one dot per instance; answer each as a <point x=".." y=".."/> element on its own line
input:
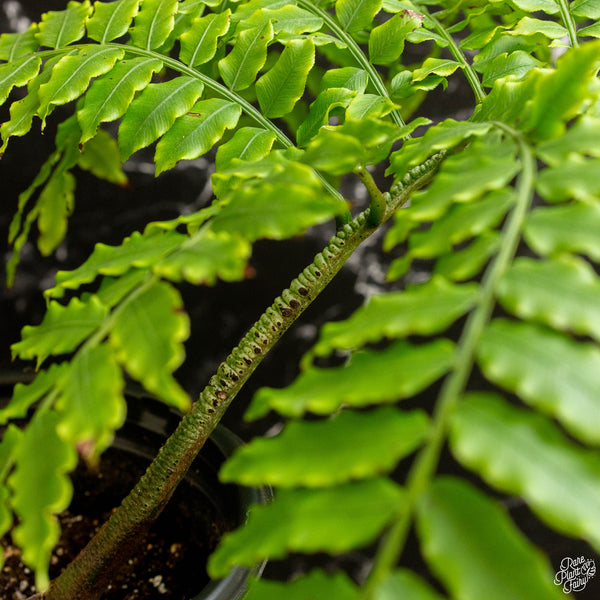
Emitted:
<point x="574" y="573"/>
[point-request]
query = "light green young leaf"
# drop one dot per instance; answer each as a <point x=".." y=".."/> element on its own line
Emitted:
<point x="111" y="20"/>
<point x="462" y="221"/>
<point x="109" y="97"/>
<point x="370" y="378"/>
<point x="386" y="42"/>
<point x="17" y="45"/>
<point x="153" y="23"/>
<point x="462" y="265"/>
<point x="351" y="445"/>
<point x="247" y="143"/>
<point x="155" y="110"/>
<point x="72" y="74"/>
<point x="113" y="289"/>
<point x="333" y="152"/>
<point x="148" y="335"/>
<point x="591" y="30"/>
<point x="91" y="402"/>
<point x="286" y="19"/>
<point x="575" y="178"/>
<point x="141" y="251"/>
<point x="62" y="329"/>
<point x="548" y="115"/>
<point x="365" y="106"/>
<point x="239" y="68"/>
<point x="313" y="585"/>
<point x="318" y="116"/>
<point x="351" y="78"/>
<point x="524" y="454"/>
<point x="424" y="34"/>
<point x="100" y="156"/>
<point x="17" y="73"/>
<point x="474" y="548"/>
<point x="548" y="370"/>
<point x="25" y="394"/>
<point x="196" y="132"/>
<point x="583" y="138"/>
<point x="572" y="228"/>
<point x="61" y="28"/>
<point x="199" y="42"/>
<point x="435" y="66"/>
<point x="585" y="8"/>
<point x="201" y="260"/>
<point x="563" y="293"/>
<point x="491" y="166"/>
<point x="55" y="205"/>
<point x="355" y="15"/>
<point x="403" y="583"/>
<point x="530" y="26"/>
<point x="282" y="86"/>
<point x="40" y="489"/>
<point x="245" y="10"/>
<point x="11" y="437"/>
<point x="332" y="520"/>
<point x="516" y="64"/>
<point x="284" y="204"/>
<point x="424" y="310"/>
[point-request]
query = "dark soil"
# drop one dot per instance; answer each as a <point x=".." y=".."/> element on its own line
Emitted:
<point x="175" y="551"/>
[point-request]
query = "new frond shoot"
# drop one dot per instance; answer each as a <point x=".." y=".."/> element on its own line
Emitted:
<point x="469" y="133"/>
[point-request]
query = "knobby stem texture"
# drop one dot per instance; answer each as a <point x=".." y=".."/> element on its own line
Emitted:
<point x="87" y="575"/>
<point x="424" y="467"/>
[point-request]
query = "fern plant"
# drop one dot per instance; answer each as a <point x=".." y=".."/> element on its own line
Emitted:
<point x="500" y="208"/>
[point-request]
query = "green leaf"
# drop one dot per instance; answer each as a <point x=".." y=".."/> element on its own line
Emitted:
<point x="591" y="30"/>
<point x="365" y="106"/>
<point x="548" y="115"/>
<point x="17" y="73"/>
<point x="403" y="583"/>
<point x="247" y="143"/>
<point x="386" y="42"/>
<point x="55" y="205"/>
<point x="199" y="42"/>
<point x="435" y="66"/>
<point x="572" y="228"/>
<point x="516" y="64"/>
<point x="285" y="204"/>
<point x="136" y="251"/>
<point x="113" y="289"/>
<point x="444" y="136"/>
<point x="316" y="584"/>
<point x="239" y="68"/>
<point x="72" y="74"/>
<point x="319" y="112"/>
<point x="197" y="132"/>
<point x="154" y="23"/>
<point x="17" y="45"/>
<point x="351" y="445"/>
<point x="111" y="20"/>
<point x="331" y="520"/>
<point x="91" y="402"/>
<point x="287" y="18"/>
<point x="40" y="488"/>
<point x="585" y="8"/>
<point x="11" y="437"/>
<point x="355" y="15"/>
<point x="547" y="370"/>
<point x="109" y="97"/>
<point x="333" y="152"/>
<point x="370" y="378"/>
<point x="424" y="310"/>
<point x="351" y="78"/>
<point x="548" y="6"/>
<point x="61" y="28"/>
<point x="474" y="548"/>
<point x="490" y="166"/>
<point x="462" y="265"/>
<point x="523" y="453"/>
<point x="583" y="138"/>
<point x="148" y="335"/>
<point x="575" y="178"/>
<point x="25" y="394"/>
<point x="563" y="293"/>
<point x="100" y="156"/>
<point x="155" y="110"/>
<point x="282" y="86"/>
<point x="201" y="260"/>
<point x="62" y="329"/>
<point x="530" y="26"/>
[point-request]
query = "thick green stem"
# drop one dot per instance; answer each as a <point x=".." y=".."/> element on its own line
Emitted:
<point x="569" y="22"/>
<point x="86" y="575"/>
<point x="424" y="467"/>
